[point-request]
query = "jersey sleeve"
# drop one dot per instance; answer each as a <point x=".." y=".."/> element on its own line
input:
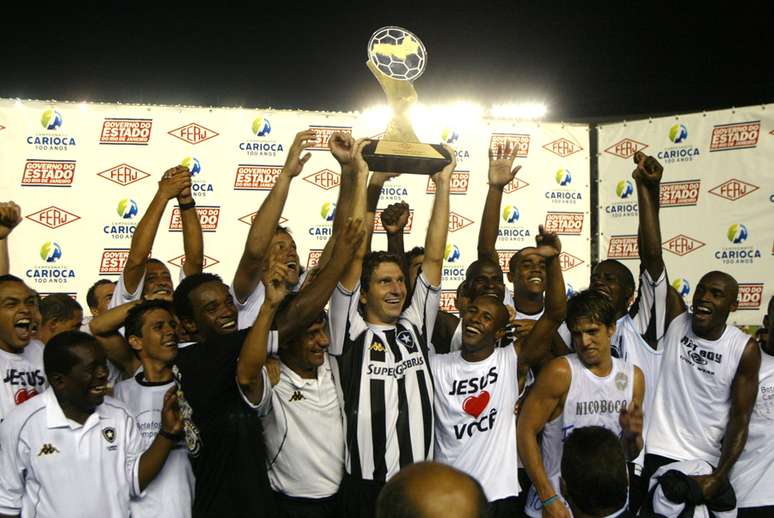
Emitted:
<point x="134" y="451"/>
<point x="566" y="336"/>
<point x="12" y="468"/>
<point x="263" y="407"/>
<point x="345" y="321"/>
<point x="248" y="310"/>
<point x="649" y="312"/>
<point x="423" y="309"/>
<point x="122" y="296"/>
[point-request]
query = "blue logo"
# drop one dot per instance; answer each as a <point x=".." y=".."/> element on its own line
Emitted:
<point x="737" y="233"/>
<point x="450" y="136"/>
<point x="569" y="290"/>
<point x="127" y="208"/>
<point x="452" y="253"/>
<point x="50" y="252"/>
<point x="510" y="214"/>
<point x="51" y="119"/>
<point x="328" y="211"/>
<point x="682" y="287"/>
<point x="192" y="164"/>
<point x="624" y="189"/>
<point x="563" y="177"/>
<point x="261" y="126"/>
<point x="678" y="133"/>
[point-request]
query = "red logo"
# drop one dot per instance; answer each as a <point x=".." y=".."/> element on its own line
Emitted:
<point x="113" y="260"/>
<point x="123" y="174"/>
<point x="256" y="177"/>
<point x="569" y="261"/>
<point x="324" y="179"/>
<point x="208" y="218"/>
<point x="379" y="228"/>
<point x="24" y="394"/>
<point x="504" y="257"/>
<point x="741" y="135"/>
<point x="324" y="135"/>
<point x="623" y="247"/>
<point x="515" y="185"/>
<point x="180" y="260"/>
<point x="750" y="296"/>
<point x="521" y="141"/>
<point x="562" y="147"/>
<point x="458" y="183"/>
<point x="448" y="298"/>
<point x="126" y="131"/>
<point x="474" y="405"/>
<point x="52" y="217"/>
<point x="458" y="221"/>
<point x="248" y="219"/>
<point x="679" y="194"/>
<point x="193" y="133"/>
<point x="568" y="223"/>
<point x="313" y="258"/>
<point x="682" y="245"/>
<point x="42" y="173"/>
<point x="625" y="148"/>
<point x="733" y="189"/>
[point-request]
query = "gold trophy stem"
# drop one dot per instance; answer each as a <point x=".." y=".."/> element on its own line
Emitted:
<point x="401" y="96"/>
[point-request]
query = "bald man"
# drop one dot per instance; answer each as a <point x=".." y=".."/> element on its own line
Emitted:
<point x="430" y="490"/>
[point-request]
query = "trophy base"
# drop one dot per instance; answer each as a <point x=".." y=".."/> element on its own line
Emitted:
<point x="405" y="157"/>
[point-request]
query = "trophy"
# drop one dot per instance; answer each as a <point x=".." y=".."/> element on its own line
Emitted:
<point x="396" y="57"/>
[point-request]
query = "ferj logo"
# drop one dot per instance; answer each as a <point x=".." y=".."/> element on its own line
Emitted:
<point x="563" y="177"/>
<point x="127" y="208"/>
<point x="261" y="146"/>
<point x="51" y="119"/>
<point x="261" y="126"/>
<point x="328" y="211"/>
<point x="510" y="214"/>
<point x="682" y="151"/>
<point x="50" y="252"/>
<point x="682" y="287"/>
<point x="51" y="139"/>
<point x="452" y="253"/>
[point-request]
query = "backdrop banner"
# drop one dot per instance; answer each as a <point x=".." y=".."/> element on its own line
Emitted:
<point x="85" y="173"/>
<point x="717" y="199"/>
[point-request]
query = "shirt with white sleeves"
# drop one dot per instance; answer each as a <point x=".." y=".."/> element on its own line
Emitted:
<point x="51" y="466"/>
<point x="22" y="376"/>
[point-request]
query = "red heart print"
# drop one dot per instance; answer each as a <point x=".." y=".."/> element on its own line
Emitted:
<point x="23" y="395"/>
<point x="474" y="405"/>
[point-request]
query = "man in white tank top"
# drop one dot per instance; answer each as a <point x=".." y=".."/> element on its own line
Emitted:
<point x="707" y="388"/>
<point x="587" y="388"/>
<point x="477" y="388"/>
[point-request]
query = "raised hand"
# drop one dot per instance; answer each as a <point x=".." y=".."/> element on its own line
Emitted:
<point x="548" y="243"/>
<point x="444" y="175"/>
<point x="649" y="171"/>
<point x="395" y="217"/>
<point x="294" y="163"/>
<point x="631" y="420"/>
<point x="342" y="146"/>
<point x="171" y="420"/>
<point x="174" y="182"/>
<point x="351" y="236"/>
<point x="501" y="172"/>
<point x="10" y="216"/>
<point x="275" y="280"/>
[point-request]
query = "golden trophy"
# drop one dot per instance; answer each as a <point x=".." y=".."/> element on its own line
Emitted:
<point x="396" y="57"/>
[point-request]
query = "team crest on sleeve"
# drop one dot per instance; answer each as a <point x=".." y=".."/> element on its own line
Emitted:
<point x="109" y="434"/>
<point x="405" y="339"/>
<point x="621" y="381"/>
<point x="193" y="440"/>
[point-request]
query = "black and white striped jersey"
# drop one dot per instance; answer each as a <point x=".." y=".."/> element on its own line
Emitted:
<point x="384" y="381"/>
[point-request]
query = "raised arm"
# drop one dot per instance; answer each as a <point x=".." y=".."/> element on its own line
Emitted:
<point x="193" y="241"/>
<point x="250" y="268"/>
<point x="501" y="173"/>
<point x="252" y="356"/>
<point x="543" y="403"/>
<point x="351" y="275"/>
<point x="10" y="216"/>
<point x="647" y="177"/>
<point x="438" y="228"/>
<point x="174" y="181"/>
<point x="631" y="418"/>
<point x="744" y="390"/>
<point x="375" y="184"/>
<point x="394" y="219"/>
<point x="105" y="328"/>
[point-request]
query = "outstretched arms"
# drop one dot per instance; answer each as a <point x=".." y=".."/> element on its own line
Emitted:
<point x="438" y="228"/>
<point x="10" y="216"/>
<point x="501" y="173"/>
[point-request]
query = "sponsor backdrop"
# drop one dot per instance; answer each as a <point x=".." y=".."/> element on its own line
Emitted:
<point x="84" y="175"/>
<point x="717" y="199"/>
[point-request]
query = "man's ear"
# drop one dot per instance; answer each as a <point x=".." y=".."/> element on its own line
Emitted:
<point x="135" y="343"/>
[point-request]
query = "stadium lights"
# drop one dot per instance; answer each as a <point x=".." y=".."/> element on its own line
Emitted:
<point x="423" y="115"/>
<point x="18" y="103"/>
<point x="528" y="111"/>
<point x="83" y="106"/>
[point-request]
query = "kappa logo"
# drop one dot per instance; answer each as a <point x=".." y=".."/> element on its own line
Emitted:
<point x="208" y="218"/>
<point x="679" y="194"/>
<point x="47" y="449"/>
<point x="109" y="433"/>
<point x="324" y="134"/>
<point x="750" y="296"/>
<point x="376" y="346"/>
<point x="313" y="258"/>
<point x="324" y="179"/>
<point x="256" y="177"/>
<point x="569" y="261"/>
<point x="621" y="381"/>
<point x="193" y="133"/>
<point x="514" y="185"/>
<point x="519" y="140"/>
<point x="739" y="135"/>
<point x="625" y="148"/>
<point x="123" y="174"/>
<point x="297" y="396"/>
<point x="52" y="217"/>
<point x="623" y="247"/>
<point x="135" y="132"/>
<point x="48" y="173"/>
<point x="180" y="260"/>
<point x="504" y="257"/>
<point x="682" y="245"/>
<point x="248" y="219"/>
<point x="565" y="223"/>
<point x="733" y="189"/>
<point x="562" y="147"/>
<point x="113" y="261"/>
<point x="458" y="183"/>
<point x="379" y="228"/>
<point x="458" y="222"/>
<point x="447" y="302"/>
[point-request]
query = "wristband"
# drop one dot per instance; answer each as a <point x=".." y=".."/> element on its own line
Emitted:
<point x="174" y="437"/>
<point x="550" y="500"/>
<point x="185" y="206"/>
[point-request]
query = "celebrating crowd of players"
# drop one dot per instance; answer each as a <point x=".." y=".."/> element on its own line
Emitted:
<point x="250" y="399"/>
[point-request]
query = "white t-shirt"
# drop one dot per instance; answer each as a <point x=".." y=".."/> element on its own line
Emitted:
<point x="475" y="429"/>
<point x="123" y="296"/>
<point x="753" y="474"/>
<point x="51" y="466"/>
<point x="591" y="401"/>
<point x="665" y="507"/>
<point x="248" y="310"/>
<point x="171" y="492"/>
<point x="693" y="397"/>
<point x="22" y="376"/>
<point x="299" y="463"/>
